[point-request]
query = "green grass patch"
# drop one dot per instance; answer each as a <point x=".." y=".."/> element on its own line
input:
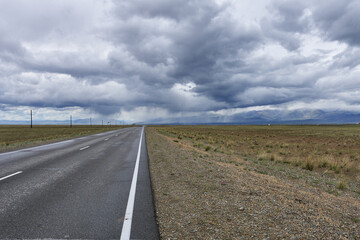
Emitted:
<point x="261" y="172"/>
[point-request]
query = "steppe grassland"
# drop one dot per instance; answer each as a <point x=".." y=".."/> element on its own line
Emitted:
<point x="334" y="149"/>
<point x="256" y="182"/>
<point x="19" y="136"/>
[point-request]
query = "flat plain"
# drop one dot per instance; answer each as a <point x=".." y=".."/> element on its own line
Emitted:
<point x="14" y="137"/>
<point x="262" y="182"/>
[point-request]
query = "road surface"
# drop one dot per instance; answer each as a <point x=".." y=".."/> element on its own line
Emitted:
<point x="77" y="189"/>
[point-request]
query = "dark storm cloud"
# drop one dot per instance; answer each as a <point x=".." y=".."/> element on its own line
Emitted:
<point x="182" y="56"/>
<point x="287" y="19"/>
<point x="11" y="50"/>
<point x="348" y="59"/>
<point x="290" y="16"/>
<point x="204" y="46"/>
<point x="339" y="20"/>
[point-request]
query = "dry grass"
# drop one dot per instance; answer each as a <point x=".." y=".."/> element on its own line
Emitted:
<point x="17" y="136"/>
<point x="320" y="148"/>
<point x="256" y="182"/>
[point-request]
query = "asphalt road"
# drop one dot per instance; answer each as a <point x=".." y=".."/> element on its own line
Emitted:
<point x="76" y="189"/>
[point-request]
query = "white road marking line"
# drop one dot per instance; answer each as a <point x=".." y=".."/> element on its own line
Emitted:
<point x="106" y="139"/>
<point x="52" y="144"/>
<point x="126" y="229"/>
<point x="84" y="148"/>
<point x="3" y="178"/>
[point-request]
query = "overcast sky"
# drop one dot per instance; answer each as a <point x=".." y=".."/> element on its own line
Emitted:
<point x="139" y="60"/>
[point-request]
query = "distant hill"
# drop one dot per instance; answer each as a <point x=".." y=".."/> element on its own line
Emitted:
<point x="270" y="117"/>
<point x="252" y="117"/>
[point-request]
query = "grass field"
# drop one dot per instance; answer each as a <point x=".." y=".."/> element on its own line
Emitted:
<point x="256" y="182"/>
<point x="335" y="149"/>
<point x="16" y="136"/>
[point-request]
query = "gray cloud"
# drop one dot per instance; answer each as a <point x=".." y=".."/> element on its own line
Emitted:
<point x="339" y="20"/>
<point x="290" y="16"/>
<point x="183" y="57"/>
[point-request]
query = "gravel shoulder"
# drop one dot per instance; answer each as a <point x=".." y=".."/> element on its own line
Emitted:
<point x="202" y="195"/>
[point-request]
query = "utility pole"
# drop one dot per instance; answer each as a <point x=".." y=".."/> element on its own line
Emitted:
<point x="90" y="123"/>
<point x="102" y="123"/>
<point x="70" y="121"/>
<point x="31" y="118"/>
